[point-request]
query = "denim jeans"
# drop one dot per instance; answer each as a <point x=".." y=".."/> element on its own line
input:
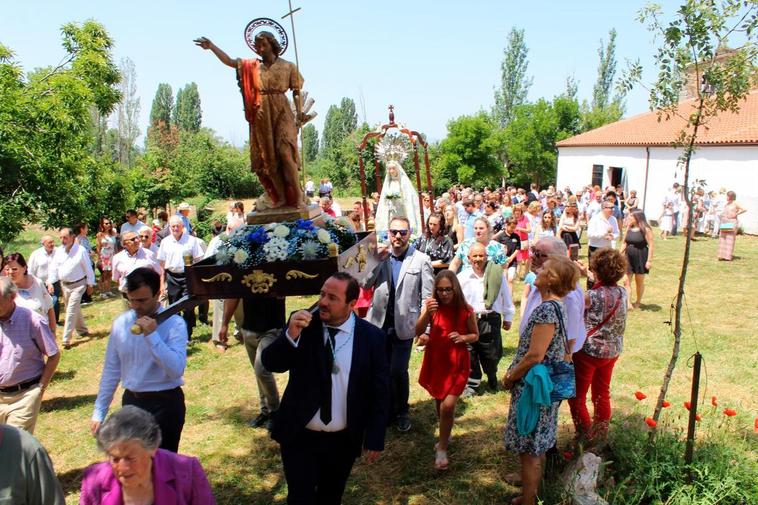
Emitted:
<point x="399" y="354"/>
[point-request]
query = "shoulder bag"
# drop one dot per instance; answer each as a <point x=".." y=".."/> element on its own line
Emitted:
<point x="561" y="372"/>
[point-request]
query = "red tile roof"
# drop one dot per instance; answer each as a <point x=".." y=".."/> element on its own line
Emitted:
<point x="645" y="129"/>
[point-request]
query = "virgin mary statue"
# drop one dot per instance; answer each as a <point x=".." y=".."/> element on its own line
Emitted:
<point x="398" y="198"/>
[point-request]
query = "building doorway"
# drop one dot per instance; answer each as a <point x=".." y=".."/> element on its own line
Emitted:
<point x="616" y="175"/>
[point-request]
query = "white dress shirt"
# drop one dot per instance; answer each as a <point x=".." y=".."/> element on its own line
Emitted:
<point x="71" y="266"/>
<point x="574" y="305"/>
<point x="597" y="229"/>
<point x="343" y="345"/>
<point x="124" y="263"/>
<point x="136" y="227"/>
<point x="142" y="363"/>
<point x="473" y="290"/>
<point x="171" y="251"/>
<point x="592" y="208"/>
<point x="39" y="263"/>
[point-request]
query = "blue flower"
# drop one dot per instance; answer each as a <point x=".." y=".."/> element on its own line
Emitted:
<point x="259" y="236"/>
<point x="304" y="224"/>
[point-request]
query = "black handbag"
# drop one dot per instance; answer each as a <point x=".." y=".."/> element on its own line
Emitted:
<point x="561" y="372"/>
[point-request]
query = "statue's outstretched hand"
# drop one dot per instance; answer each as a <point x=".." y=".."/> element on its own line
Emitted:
<point x="203" y="42"/>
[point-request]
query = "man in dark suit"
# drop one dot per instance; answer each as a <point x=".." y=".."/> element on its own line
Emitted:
<point x="337" y="397"/>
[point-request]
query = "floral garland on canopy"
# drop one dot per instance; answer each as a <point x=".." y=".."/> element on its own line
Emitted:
<point x="301" y="240"/>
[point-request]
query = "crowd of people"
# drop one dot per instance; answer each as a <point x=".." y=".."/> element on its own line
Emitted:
<point x="447" y="287"/>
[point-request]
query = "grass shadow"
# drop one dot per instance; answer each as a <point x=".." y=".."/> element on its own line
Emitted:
<point x="650" y="307"/>
<point x="71" y="480"/>
<point x="61" y="376"/>
<point x="67" y="402"/>
<point x="91" y="336"/>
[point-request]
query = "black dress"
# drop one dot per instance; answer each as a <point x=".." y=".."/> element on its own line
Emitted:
<point x="636" y="251"/>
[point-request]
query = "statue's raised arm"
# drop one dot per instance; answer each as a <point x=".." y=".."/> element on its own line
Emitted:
<point x="206" y="43"/>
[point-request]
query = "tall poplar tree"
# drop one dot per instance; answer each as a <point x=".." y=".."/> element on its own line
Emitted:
<point x="188" y="114"/>
<point x="514" y="83"/>
<point x="163" y="106"/>
<point x="127" y="113"/>
<point x="310" y="143"/>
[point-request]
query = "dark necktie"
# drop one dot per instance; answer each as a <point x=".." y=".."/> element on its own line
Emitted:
<point x="326" y="390"/>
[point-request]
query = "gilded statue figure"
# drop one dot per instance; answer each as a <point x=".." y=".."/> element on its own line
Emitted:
<point x="264" y="83"/>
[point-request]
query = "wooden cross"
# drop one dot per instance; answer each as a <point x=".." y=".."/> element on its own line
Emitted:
<point x="291" y="15"/>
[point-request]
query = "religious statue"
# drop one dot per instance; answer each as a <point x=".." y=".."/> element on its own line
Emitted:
<point x="263" y="83"/>
<point x="398" y="198"/>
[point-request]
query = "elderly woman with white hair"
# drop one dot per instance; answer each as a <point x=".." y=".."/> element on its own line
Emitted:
<point x="137" y="471"/>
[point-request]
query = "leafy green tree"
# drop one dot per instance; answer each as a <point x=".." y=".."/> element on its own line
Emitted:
<point x="606" y="72"/>
<point x="332" y="135"/>
<point x="469" y="153"/>
<point x="514" y="83"/>
<point x="348" y="117"/>
<point x="46" y="158"/>
<point x="310" y="143"/>
<point x="163" y="105"/>
<point x="689" y="49"/>
<point x="531" y="136"/>
<point x="188" y="113"/>
<point x="603" y="108"/>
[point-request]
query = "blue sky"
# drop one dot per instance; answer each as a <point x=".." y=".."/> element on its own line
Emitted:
<point x="434" y="60"/>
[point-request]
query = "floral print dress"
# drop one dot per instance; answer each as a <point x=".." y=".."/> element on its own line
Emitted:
<point x="544" y="435"/>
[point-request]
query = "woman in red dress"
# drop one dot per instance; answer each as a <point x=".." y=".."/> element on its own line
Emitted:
<point x="446" y="324"/>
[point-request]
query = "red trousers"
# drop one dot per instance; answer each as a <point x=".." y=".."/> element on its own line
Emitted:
<point x="595" y="373"/>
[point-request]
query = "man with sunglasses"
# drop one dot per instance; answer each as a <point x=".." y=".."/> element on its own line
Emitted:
<point x="400" y="283"/>
<point x="603" y="228"/>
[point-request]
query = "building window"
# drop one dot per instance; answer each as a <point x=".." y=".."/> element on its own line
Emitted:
<point x="597" y="175"/>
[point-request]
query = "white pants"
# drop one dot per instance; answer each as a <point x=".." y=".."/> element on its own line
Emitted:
<point x="72" y="295"/>
<point x="218" y="317"/>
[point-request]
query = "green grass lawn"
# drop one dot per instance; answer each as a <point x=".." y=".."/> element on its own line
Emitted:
<point x="243" y="464"/>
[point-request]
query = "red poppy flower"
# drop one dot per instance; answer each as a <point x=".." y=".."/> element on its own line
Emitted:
<point x="665" y="404"/>
<point x="650" y="422"/>
<point x="714" y="402"/>
<point x="687" y="405"/>
<point x="640" y="395"/>
<point x="755" y="425"/>
<point x="697" y="417"/>
<point x="730" y="412"/>
<point x="568" y="455"/>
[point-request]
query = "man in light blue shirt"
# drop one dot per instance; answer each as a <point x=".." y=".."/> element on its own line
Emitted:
<point x="151" y="364"/>
<point x="468" y="217"/>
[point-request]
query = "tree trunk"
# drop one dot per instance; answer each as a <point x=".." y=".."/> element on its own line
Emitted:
<point x="683" y="274"/>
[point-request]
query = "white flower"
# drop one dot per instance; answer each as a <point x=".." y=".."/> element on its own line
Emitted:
<point x="240" y="256"/>
<point x="276" y="249"/>
<point x="310" y="249"/>
<point x="324" y="236"/>
<point x="281" y="231"/>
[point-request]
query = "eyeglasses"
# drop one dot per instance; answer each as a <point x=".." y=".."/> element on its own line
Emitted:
<point x="144" y="236"/>
<point x="444" y="290"/>
<point x="402" y="233"/>
<point x="133" y="239"/>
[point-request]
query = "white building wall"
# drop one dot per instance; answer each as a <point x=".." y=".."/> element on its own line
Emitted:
<point x="732" y="167"/>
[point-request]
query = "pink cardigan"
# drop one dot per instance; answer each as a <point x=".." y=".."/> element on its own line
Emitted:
<point x="177" y="480"/>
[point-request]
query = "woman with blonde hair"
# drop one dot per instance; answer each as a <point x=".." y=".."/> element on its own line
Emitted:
<point x="543" y="341"/>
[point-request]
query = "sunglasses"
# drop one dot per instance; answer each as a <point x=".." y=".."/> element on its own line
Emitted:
<point x="133" y="239"/>
<point x="402" y="233"/>
<point x="144" y="236"/>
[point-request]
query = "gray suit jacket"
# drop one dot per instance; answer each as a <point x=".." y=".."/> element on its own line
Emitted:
<point x="414" y="285"/>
